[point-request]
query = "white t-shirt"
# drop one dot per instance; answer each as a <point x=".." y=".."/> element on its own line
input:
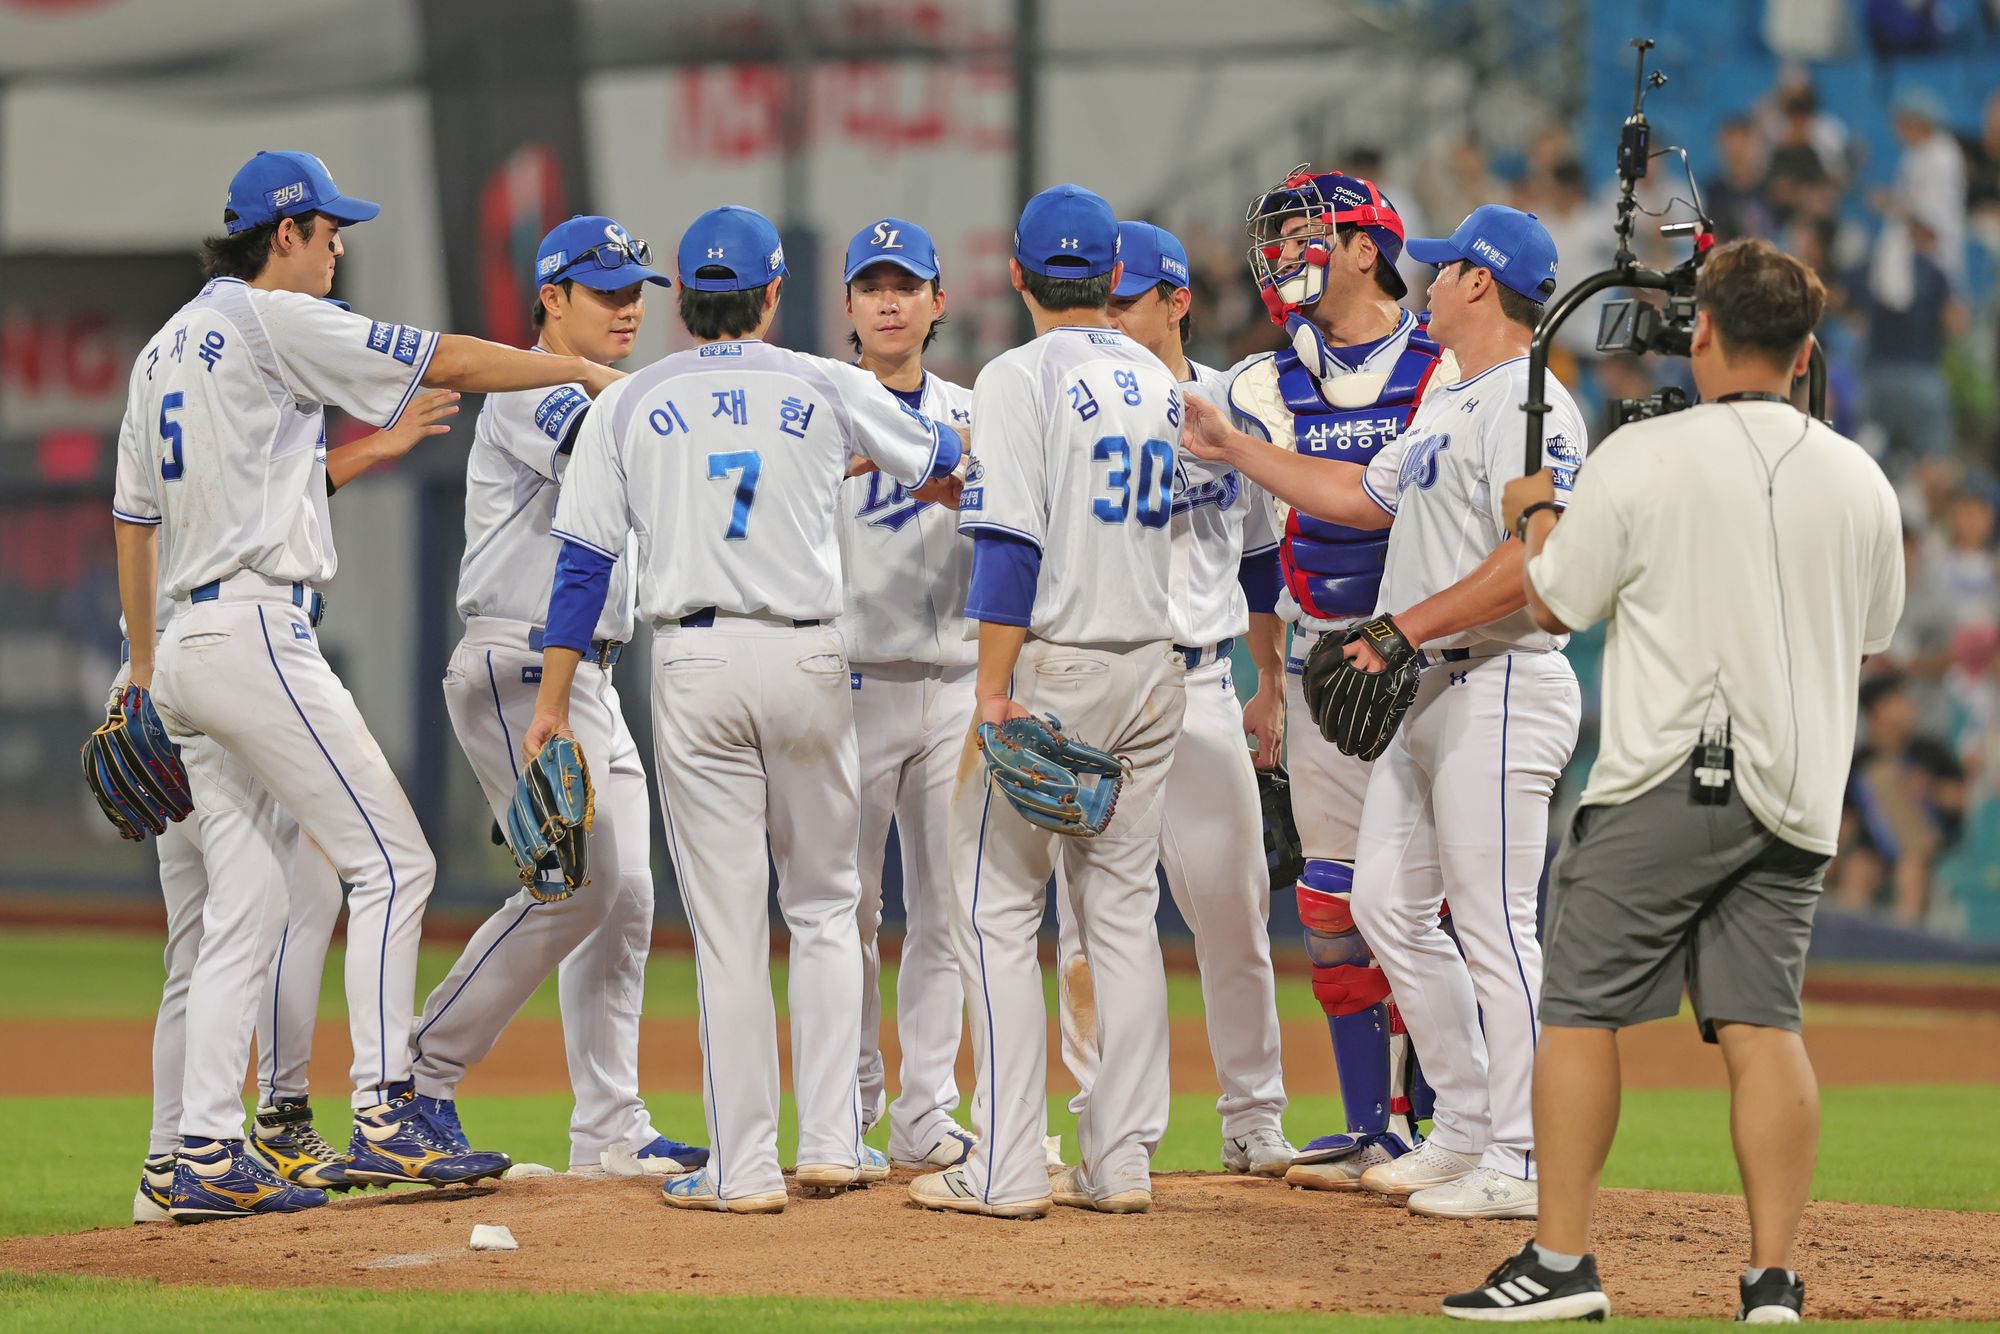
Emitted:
<point x="511" y="480"/>
<point x="224" y="438"/>
<point x="1746" y="559"/>
<point x="907" y="568"/>
<point x="1220" y="516"/>
<point x="726" y="462"/>
<point x="1078" y="433"/>
<point x="1442" y="479"/>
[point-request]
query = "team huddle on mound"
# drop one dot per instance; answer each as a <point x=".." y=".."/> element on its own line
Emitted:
<point x="1003" y="618"/>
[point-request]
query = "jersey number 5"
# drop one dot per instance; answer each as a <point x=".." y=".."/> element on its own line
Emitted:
<point x="170" y="432"/>
<point x="1156" y="481"/>
<point x="750" y="463"/>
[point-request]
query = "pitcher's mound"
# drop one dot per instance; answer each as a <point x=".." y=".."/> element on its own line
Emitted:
<point x="1215" y="1242"/>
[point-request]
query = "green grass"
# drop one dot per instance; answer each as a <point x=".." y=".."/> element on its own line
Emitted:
<point x="61" y="1304"/>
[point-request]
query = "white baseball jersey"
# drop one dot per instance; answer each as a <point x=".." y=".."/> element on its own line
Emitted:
<point x="726" y="461"/>
<point x="1079" y="436"/>
<point x="1220" y="517"/>
<point x="907" y="568"/>
<point x="1442" y="479"/>
<point x="511" y="477"/>
<point x="224" y="437"/>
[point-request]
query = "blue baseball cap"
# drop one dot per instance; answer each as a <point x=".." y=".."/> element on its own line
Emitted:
<point x="1513" y="244"/>
<point x="1067" y="232"/>
<point x="737" y="239"/>
<point x="276" y="185"/>
<point x="593" y="250"/>
<point x="1152" y="255"/>
<point x="892" y="241"/>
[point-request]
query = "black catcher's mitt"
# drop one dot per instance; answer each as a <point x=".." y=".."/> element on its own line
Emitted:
<point x="1284" y="853"/>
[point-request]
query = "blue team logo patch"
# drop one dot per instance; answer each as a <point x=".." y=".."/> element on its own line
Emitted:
<point x="381" y="337"/>
<point x="973" y="498"/>
<point x="1420" y="465"/>
<point x="408" y="340"/>
<point x="302" y="632"/>
<point x="721" y="350"/>
<point x="554" y="414"/>
<point x="531" y="676"/>
<point x="854" y="680"/>
<point x="1564" y="458"/>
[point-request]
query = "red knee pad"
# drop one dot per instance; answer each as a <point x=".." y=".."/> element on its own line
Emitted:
<point x="1349" y="989"/>
<point x="1321" y="911"/>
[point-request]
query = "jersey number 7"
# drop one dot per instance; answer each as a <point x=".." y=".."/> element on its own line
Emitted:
<point x="750" y="463"/>
<point x="1156" y="481"/>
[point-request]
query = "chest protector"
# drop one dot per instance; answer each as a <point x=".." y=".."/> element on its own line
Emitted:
<point x="1333" y="571"/>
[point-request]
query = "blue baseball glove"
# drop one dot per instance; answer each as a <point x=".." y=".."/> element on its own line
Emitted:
<point x="1051" y="780"/>
<point x="553" y="809"/>
<point x="134" y="770"/>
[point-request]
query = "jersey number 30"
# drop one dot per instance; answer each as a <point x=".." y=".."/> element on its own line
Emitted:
<point x="750" y="463"/>
<point x="1156" y="481"/>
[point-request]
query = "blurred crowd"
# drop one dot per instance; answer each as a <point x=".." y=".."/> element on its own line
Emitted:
<point x="1908" y="250"/>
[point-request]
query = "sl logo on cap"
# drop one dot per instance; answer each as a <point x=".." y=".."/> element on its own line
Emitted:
<point x="885" y="236"/>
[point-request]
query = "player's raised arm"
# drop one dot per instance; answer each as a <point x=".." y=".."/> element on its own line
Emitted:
<point x="475" y="366"/>
<point x="1324" y="488"/>
<point x="899" y="440"/>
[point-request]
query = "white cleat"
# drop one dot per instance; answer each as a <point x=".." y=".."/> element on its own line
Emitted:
<point x="696" y="1190"/>
<point x="1338" y="1173"/>
<point x="1261" y="1153"/>
<point x="951" y="1191"/>
<point x="1052" y="1152"/>
<point x="1429" y="1164"/>
<point x="1066" y="1190"/>
<point x="819" y="1180"/>
<point x="1485" y="1192"/>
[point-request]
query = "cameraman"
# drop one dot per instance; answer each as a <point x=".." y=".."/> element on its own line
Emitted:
<point x="1746" y="558"/>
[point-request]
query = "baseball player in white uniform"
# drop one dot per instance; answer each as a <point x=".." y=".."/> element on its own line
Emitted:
<point x="911" y="668"/>
<point x="228" y="396"/>
<point x="592" y="278"/>
<point x="1324" y="247"/>
<point x="1225" y="574"/>
<point x="1457" y="806"/>
<point x="283" y="1137"/>
<point x="726" y="462"/>
<point x="1072" y="589"/>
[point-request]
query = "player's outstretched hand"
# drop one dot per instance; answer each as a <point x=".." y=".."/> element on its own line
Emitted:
<point x="1264" y="718"/>
<point x="596" y="379"/>
<point x="544" y="726"/>
<point x="1205" y="431"/>
<point x="943" y="491"/>
<point x="429" y="414"/>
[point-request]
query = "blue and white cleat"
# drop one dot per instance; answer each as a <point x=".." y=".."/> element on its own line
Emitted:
<point x="1336" y="1162"/>
<point x="874" y="1167"/>
<point x="952" y="1147"/>
<point x="662" y="1158"/>
<point x="696" y="1190"/>
<point x="443" y="1114"/>
<point x="155" y="1198"/>
<point x="220" y="1180"/>
<point x="396" y="1142"/>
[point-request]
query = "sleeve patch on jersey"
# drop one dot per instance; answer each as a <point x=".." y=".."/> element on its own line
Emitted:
<point x="555" y="412"/>
<point x="972" y="498"/>
<point x="381" y="337"/>
<point x="1564" y="458"/>
<point x="409" y="341"/>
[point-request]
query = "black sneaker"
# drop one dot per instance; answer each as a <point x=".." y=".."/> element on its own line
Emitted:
<point x="1778" y="1298"/>
<point x="1523" y="1289"/>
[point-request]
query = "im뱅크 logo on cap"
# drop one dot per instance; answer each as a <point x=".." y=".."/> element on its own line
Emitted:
<point x="1495" y="257"/>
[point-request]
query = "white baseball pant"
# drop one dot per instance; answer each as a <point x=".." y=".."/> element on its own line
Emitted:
<point x="1130" y="702"/>
<point x="599" y="937"/>
<point x="1212" y="851"/>
<point x="910" y="723"/>
<point x="1458" y="808"/>
<point x="753" y="726"/>
<point x="290" y="1007"/>
<point x="1327" y="786"/>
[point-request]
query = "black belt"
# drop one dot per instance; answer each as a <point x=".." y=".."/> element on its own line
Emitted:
<point x="603" y="652"/>
<point x="705" y="618"/>
<point x="312" y="601"/>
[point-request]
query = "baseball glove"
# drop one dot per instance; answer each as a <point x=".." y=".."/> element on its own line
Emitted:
<point x="1051" y="780"/>
<point x="134" y="770"/>
<point x="553" y="809"/>
<point x="1359" y="711"/>
<point x="1284" y="853"/>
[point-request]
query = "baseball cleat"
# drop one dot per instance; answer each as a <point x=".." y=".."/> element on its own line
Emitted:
<point x="1261" y="1153"/>
<point x="396" y="1142"/>
<point x="1776" y="1297"/>
<point x="662" y="1158"/>
<point x="873" y="1167"/>
<point x="443" y="1115"/>
<point x="818" y="1180"/>
<point x="1066" y="1189"/>
<point x="1429" y="1164"/>
<point x="1485" y="1192"/>
<point x="156" y="1190"/>
<point x="283" y="1139"/>
<point x="1314" y="1170"/>
<point x="949" y="1190"/>
<point x="1525" y="1289"/>
<point x="1052" y="1152"/>
<point x="696" y="1190"/>
<point x="221" y="1180"/>
<point x="951" y="1147"/>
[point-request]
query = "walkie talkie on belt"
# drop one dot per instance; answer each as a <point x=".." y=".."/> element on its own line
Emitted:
<point x="1714" y="768"/>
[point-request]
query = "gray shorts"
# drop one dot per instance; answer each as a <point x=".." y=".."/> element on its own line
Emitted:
<point x="1660" y="893"/>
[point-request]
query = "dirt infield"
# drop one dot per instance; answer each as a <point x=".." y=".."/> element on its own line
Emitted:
<point x="41" y="1057"/>
<point x="1212" y="1242"/>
